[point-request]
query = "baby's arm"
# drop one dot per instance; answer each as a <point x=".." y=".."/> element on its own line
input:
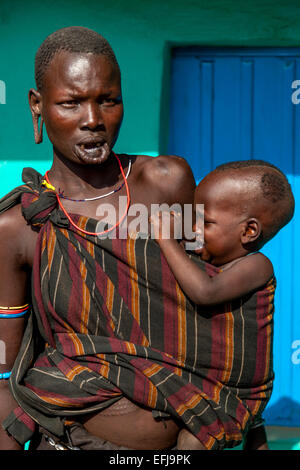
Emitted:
<point x="242" y="277"/>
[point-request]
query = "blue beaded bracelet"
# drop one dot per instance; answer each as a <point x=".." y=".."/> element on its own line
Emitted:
<point x="13" y="315"/>
<point x="5" y="375"/>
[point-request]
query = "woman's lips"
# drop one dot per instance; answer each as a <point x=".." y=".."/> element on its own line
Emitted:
<point x="92" y="152"/>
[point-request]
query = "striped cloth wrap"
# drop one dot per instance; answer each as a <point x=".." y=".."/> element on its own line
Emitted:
<point x="109" y="320"/>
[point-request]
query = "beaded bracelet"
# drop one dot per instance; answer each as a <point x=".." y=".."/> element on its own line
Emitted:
<point x="5" y="375"/>
<point x="13" y="312"/>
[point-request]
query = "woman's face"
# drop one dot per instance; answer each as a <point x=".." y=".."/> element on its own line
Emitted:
<point x="81" y="105"/>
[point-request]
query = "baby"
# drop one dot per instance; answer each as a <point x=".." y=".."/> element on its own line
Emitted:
<point x="246" y="203"/>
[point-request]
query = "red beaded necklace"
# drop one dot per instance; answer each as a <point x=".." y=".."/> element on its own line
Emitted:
<point x="76" y="226"/>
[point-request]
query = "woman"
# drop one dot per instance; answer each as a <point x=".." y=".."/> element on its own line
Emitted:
<point x="110" y="365"/>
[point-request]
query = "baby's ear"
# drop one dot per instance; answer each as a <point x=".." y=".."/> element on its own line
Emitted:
<point x="251" y="231"/>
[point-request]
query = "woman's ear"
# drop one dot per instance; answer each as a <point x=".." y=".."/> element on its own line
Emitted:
<point x="251" y="231"/>
<point x="35" y="103"/>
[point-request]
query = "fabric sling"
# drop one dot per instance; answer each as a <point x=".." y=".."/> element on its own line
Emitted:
<point x="109" y="320"/>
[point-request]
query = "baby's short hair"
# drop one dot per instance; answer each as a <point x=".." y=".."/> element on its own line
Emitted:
<point x="71" y="39"/>
<point x="275" y="191"/>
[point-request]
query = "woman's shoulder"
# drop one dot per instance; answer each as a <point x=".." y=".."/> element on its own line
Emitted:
<point x="12" y="221"/>
<point x="171" y="175"/>
<point x="166" y="165"/>
<point x="17" y="239"/>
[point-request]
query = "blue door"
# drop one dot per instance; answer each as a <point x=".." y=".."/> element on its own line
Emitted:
<point x="237" y="104"/>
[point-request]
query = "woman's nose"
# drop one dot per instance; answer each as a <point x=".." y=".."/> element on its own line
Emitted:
<point x="92" y="117"/>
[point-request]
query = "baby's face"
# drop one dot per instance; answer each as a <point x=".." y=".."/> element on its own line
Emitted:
<point x="222" y="219"/>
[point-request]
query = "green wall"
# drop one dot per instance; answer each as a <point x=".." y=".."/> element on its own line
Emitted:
<point x="142" y="34"/>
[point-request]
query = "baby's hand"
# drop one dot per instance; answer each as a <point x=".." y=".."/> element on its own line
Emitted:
<point x="166" y="225"/>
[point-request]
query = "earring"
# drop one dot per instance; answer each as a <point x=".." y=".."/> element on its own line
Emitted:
<point x="38" y="132"/>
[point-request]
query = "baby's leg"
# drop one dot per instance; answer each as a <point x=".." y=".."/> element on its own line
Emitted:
<point x="187" y="441"/>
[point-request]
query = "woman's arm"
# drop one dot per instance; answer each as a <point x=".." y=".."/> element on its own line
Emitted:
<point x="13" y="284"/>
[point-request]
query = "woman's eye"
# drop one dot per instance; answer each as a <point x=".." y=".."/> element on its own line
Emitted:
<point x="111" y="101"/>
<point x="69" y="104"/>
<point x="108" y="102"/>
